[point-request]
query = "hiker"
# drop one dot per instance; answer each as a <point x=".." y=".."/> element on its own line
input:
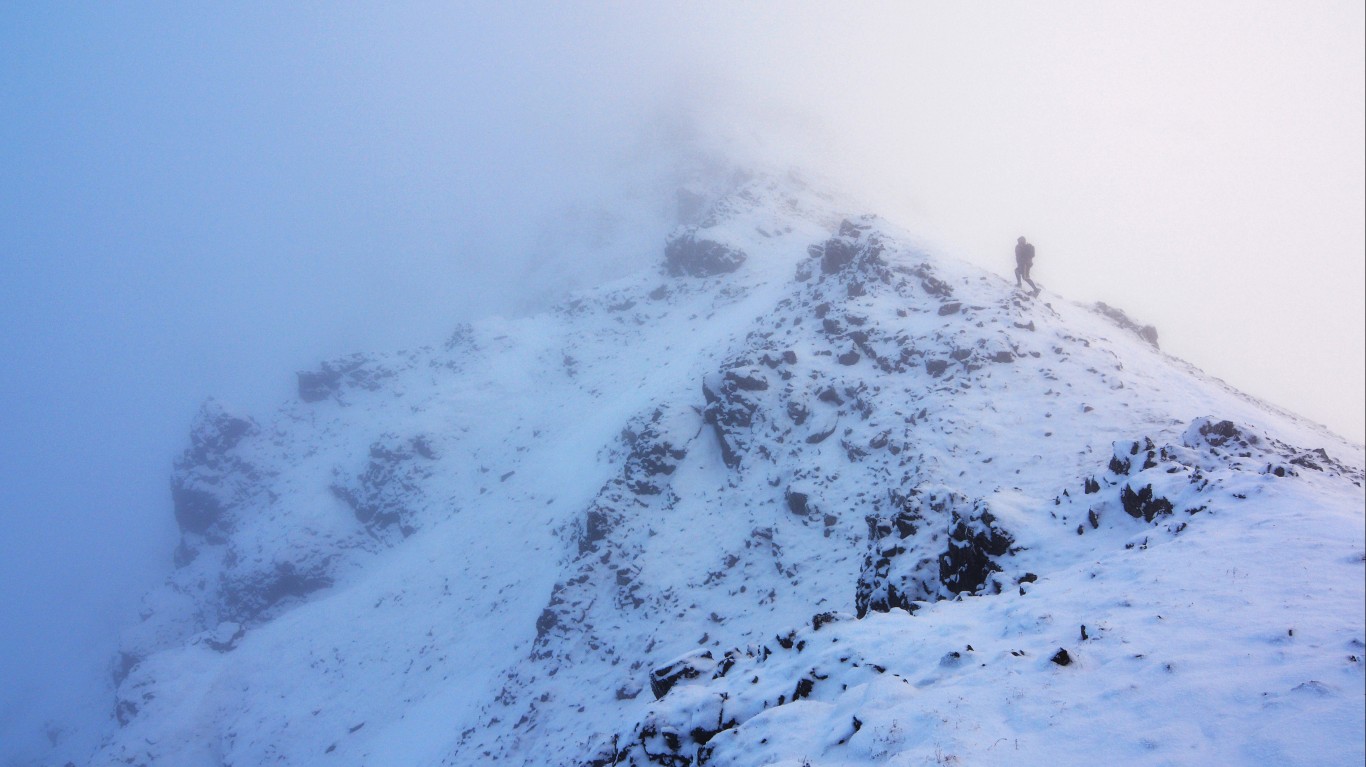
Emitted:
<point x="1024" y="259"/>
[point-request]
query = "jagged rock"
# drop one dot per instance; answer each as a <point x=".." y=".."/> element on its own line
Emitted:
<point x="196" y="509"/>
<point x="900" y="569"/>
<point x="928" y="280"/>
<point x="689" y="254"/>
<point x="1143" y="504"/>
<point x="731" y="408"/>
<point x="685" y="727"/>
<point x="656" y="447"/>
<point x="216" y="431"/>
<point x="597" y="524"/>
<point x="548" y="620"/>
<point x="975" y="543"/>
<point x="389" y="490"/>
<point x="836" y="255"/>
<point x="248" y="594"/>
<point x="210" y="477"/>
<point x="654" y="555"/>
<point x="1126" y="453"/>
<point x="1146" y="332"/>
<point x="855" y="248"/>
<point x="1221" y="434"/>
<point x="357" y="371"/>
<point x="824" y="619"/>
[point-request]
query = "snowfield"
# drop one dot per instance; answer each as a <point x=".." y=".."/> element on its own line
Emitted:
<point x="803" y="494"/>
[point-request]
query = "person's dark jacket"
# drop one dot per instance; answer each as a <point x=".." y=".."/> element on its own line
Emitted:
<point x="1024" y="253"/>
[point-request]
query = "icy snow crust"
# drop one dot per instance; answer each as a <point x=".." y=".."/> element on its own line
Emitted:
<point x="637" y="530"/>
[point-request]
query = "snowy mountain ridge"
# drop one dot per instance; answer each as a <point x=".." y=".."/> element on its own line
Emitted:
<point x="803" y="494"/>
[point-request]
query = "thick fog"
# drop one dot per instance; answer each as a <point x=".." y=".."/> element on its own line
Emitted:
<point x="200" y="200"/>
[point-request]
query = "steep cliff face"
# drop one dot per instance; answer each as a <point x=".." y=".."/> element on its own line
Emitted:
<point x="751" y="507"/>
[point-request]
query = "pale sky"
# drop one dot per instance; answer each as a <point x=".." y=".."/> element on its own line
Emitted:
<point x="199" y="200"/>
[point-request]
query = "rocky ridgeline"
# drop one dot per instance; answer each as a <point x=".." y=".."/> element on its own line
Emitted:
<point x="232" y="498"/>
<point x="705" y="694"/>
<point x="1174" y="481"/>
<point x="222" y="485"/>
<point x="864" y="353"/>
<point x="848" y="450"/>
<point x="846" y="376"/>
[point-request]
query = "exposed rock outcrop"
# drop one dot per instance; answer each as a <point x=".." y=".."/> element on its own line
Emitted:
<point x="901" y="566"/>
<point x="1146" y="332"/>
<point x="389" y="492"/>
<point x="211" y="476"/>
<point x="692" y="254"/>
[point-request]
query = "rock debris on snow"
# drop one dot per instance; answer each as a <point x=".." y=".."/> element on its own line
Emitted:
<point x="829" y="499"/>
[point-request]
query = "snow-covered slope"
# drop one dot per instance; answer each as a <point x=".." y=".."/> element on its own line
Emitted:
<point x="639" y="529"/>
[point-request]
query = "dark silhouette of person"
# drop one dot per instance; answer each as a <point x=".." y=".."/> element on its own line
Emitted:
<point x="1024" y="260"/>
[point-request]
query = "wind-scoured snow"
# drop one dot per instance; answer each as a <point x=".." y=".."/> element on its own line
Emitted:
<point x="802" y="494"/>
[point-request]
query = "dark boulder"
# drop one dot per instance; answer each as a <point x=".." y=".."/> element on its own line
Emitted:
<point x="821" y="619"/>
<point x="196" y="509"/>
<point x="692" y="666"/>
<point x="1221" y="434"/>
<point x="837" y="255"/>
<point x="1143" y="504"/>
<point x="216" y="431"/>
<point x="249" y="594"/>
<point x="656" y="450"/>
<point x="731" y="408"/>
<point x="318" y="385"/>
<point x="856" y="250"/>
<point x="900" y="568"/>
<point x="688" y="254"/>
<point x="597" y="523"/>
<point x="1126" y="454"/>
<point x="212" y="475"/>
<point x="975" y="542"/>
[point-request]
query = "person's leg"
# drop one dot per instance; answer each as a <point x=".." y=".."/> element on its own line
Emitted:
<point x="1023" y="271"/>
<point x="1017" y="276"/>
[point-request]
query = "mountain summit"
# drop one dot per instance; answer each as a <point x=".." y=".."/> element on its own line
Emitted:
<point x="800" y="494"/>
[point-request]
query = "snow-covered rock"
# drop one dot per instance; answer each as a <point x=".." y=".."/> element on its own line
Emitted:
<point x="801" y="494"/>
